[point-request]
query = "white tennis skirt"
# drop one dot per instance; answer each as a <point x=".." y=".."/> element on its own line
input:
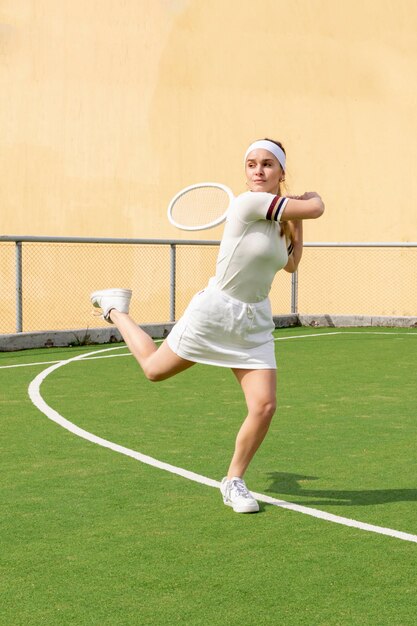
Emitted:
<point x="217" y="329"/>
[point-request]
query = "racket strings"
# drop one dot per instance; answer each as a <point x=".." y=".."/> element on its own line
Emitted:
<point x="197" y="207"/>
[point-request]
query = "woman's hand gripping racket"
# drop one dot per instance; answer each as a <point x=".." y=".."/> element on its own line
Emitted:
<point x="200" y="206"/>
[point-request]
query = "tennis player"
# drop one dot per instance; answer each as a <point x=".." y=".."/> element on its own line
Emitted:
<point x="229" y="323"/>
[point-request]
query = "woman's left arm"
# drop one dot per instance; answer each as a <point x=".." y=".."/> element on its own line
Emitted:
<point x="296" y="239"/>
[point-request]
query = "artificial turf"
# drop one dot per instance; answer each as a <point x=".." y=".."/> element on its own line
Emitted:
<point x="94" y="537"/>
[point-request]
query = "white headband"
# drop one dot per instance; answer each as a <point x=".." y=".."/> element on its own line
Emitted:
<point x="264" y="144"/>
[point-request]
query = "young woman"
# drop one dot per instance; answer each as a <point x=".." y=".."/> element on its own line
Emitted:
<point x="229" y="324"/>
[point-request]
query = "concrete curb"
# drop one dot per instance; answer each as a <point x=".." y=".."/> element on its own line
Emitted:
<point x="346" y="321"/>
<point x="286" y="321"/>
<point x="77" y="337"/>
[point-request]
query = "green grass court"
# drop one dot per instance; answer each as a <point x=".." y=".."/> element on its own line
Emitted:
<point x="94" y="537"/>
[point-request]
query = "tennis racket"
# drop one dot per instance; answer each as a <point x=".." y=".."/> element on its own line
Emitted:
<point x="200" y="206"/>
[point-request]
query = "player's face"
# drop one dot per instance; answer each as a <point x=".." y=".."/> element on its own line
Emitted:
<point x="263" y="171"/>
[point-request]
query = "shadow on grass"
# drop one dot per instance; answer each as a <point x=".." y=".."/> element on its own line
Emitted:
<point x="290" y="485"/>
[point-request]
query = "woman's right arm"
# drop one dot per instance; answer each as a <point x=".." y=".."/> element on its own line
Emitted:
<point x="309" y="206"/>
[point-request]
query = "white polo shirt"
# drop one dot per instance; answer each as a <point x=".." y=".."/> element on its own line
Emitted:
<point x="252" y="248"/>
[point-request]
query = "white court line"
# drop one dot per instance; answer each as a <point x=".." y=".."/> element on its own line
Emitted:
<point x="91" y="358"/>
<point x="39" y="402"/>
<point x="331" y="333"/>
<point x="6" y="367"/>
<point x="344" y="332"/>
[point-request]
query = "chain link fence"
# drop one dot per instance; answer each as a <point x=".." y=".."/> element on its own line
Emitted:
<point x="45" y="282"/>
<point x="364" y="279"/>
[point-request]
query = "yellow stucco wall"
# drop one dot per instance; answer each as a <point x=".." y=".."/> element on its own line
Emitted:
<point x="108" y="108"/>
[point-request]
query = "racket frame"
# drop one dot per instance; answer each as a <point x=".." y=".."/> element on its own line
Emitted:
<point x="213" y="223"/>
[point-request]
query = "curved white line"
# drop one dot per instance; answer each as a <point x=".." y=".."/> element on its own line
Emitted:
<point x="330" y="334"/>
<point x="39" y="402"/>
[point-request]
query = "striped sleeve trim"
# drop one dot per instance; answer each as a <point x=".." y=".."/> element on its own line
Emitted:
<point x="276" y="209"/>
<point x="271" y="208"/>
<point x="290" y="248"/>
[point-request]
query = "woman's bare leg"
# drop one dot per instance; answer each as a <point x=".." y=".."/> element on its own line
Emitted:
<point x="157" y="363"/>
<point x="259" y="387"/>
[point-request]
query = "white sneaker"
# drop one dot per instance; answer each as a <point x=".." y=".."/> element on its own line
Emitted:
<point x="109" y="299"/>
<point x="236" y="494"/>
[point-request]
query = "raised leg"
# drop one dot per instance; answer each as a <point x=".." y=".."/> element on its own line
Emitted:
<point x="157" y="363"/>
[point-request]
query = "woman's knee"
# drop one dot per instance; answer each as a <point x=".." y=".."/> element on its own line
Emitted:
<point x="157" y="369"/>
<point x="270" y="408"/>
<point x="265" y="409"/>
<point x="153" y="375"/>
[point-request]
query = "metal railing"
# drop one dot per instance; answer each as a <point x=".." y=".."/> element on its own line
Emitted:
<point x="51" y="269"/>
<point x="20" y="242"/>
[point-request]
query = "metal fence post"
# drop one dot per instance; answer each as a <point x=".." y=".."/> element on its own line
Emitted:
<point x="172" y="281"/>
<point x="294" y="292"/>
<point x="19" y="282"/>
